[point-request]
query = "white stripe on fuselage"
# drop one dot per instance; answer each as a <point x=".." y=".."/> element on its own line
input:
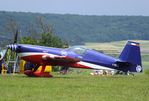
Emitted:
<point x="35" y="53"/>
<point x="93" y="66"/>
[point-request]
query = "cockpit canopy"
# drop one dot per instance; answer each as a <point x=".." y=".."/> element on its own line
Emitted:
<point x="78" y="49"/>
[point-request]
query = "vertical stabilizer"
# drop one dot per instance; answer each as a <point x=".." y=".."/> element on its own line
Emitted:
<point x="132" y="55"/>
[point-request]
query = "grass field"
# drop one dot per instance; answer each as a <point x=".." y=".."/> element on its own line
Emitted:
<point x="74" y="87"/>
<point x="80" y="87"/>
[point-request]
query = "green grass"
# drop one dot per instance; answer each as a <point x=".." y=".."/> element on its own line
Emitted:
<point x="145" y="64"/>
<point x="74" y="87"/>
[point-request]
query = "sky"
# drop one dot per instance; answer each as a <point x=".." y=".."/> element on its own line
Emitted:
<point x="82" y="7"/>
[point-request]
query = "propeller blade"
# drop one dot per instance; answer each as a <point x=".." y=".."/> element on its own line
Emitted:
<point x="16" y="37"/>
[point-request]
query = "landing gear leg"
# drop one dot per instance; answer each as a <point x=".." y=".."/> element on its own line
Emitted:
<point x="42" y="73"/>
<point x="129" y="73"/>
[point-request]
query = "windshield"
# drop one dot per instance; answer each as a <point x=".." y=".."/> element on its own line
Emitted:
<point x="78" y="49"/>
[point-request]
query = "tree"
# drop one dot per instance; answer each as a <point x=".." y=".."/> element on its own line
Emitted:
<point x="29" y="40"/>
<point x="13" y="28"/>
<point x="47" y="38"/>
<point x="43" y="26"/>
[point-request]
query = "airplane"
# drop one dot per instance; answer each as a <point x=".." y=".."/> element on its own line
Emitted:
<point x="77" y="57"/>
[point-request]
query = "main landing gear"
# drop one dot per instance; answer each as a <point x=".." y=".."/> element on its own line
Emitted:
<point x="37" y="73"/>
<point x="124" y="73"/>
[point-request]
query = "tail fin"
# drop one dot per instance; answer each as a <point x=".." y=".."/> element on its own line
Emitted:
<point x="131" y="54"/>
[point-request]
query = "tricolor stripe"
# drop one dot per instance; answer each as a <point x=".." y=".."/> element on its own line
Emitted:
<point x="82" y="63"/>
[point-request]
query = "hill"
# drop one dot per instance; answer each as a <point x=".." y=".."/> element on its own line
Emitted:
<point x="78" y="29"/>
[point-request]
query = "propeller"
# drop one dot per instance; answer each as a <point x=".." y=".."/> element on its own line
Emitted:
<point x="12" y="47"/>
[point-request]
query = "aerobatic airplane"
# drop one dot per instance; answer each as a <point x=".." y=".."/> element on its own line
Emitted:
<point x="78" y="57"/>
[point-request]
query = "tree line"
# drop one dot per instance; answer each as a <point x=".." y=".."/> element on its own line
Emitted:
<point x="77" y="29"/>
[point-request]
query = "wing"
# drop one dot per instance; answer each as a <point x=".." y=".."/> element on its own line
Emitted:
<point x="65" y="59"/>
